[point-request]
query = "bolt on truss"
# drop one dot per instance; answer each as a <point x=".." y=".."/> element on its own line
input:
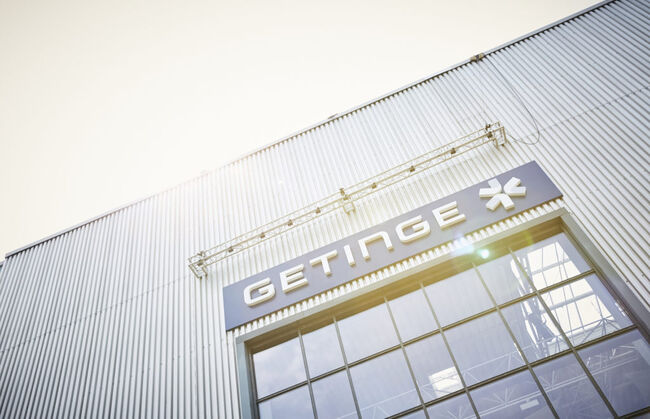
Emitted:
<point x="345" y="198"/>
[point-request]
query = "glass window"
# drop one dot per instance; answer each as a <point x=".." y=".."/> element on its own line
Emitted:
<point x="455" y="408"/>
<point x="415" y="415"/>
<point x="384" y="386"/>
<point x="585" y="310"/>
<point x="278" y="367"/>
<point x="621" y="367"/>
<point x="434" y="371"/>
<point x="483" y="348"/>
<point x="293" y="404"/>
<point x="322" y="350"/>
<point x="534" y="330"/>
<point x="569" y="311"/>
<point x="552" y="260"/>
<point x="412" y="315"/>
<point x="367" y="333"/>
<point x="514" y="397"/>
<point x="458" y="297"/>
<point x="504" y="279"/>
<point x="333" y="397"/>
<point x="569" y="389"/>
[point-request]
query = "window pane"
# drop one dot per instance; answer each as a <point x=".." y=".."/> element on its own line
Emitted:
<point x="551" y="261"/>
<point x="516" y="397"/>
<point x="384" y="386"/>
<point x="367" y="333"/>
<point x="534" y="329"/>
<point x="415" y="415"/>
<point x="322" y="350"/>
<point x="585" y="310"/>
<point x="569" y="389"/>
<point x="483" y="348"/>
<point x="458" y="297"/>
<point x="504" y="279"/>
<point x="434" y="371"/>
<point x="293" y="404"/>
<point x="455" y="408"/>
<point x="333" y="397"/>
<point x="278" y="367"/>
<point x="621" y="367"/>
<point x="412" y="315"/>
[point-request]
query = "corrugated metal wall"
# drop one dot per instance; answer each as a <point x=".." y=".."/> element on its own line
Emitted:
<point x="106" y="319"/>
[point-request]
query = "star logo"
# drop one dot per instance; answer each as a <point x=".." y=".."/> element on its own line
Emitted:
<point x="497" y="197"/>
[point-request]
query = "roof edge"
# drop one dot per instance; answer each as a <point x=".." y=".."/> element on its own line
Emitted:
<point x="320" y="123"/>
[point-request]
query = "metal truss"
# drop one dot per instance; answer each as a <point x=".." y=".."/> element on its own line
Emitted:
<point x="492" y="133"/>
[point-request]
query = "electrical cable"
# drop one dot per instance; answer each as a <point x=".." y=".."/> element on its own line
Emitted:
<point x="521" y="102"/>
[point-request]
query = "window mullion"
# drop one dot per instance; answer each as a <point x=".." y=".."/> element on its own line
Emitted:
<point x="568" y="342"/>
<point x="514" y="339"/>
<point x="453" y="358"/>
<point x="304" y="360"/>
<point x="408" y="362"/>
<point x="347" y="367"/>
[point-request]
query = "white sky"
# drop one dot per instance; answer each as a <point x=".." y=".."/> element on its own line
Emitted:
<point x="103" y="103"/>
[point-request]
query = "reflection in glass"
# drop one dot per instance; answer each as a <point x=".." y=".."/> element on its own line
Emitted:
<point x="333" y="397"/>
<point x="322" y="350"/>
<point x="569" y="389"/>
<point x="514" y="397"/>
<point x="367" y="333"/>
<point x="278" y="367"/>
<point x="483" y="348"/>
<point x="434" y="371"/>
<point x="504" y="279"/>
<point x="412" y="315"/>
<point x="585" y="310"/>
<point x="458" y="297"/>
<point x="455" y="408"/>
<point x="534" y="329"/>
<point x="384" y="386"/>
<point x="551" y="261"/>
<point x="415" y="415"/>
<point x="293" y="404"/>
<point x="621" y="367"/>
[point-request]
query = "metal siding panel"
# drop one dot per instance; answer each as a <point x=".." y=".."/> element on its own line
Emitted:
<point x="106" y="319"/>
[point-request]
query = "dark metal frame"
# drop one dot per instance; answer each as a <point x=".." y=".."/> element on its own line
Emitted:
<point x="553" y="223"/>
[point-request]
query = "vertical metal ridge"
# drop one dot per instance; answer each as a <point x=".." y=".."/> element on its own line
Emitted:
<point x="106" y="320"/>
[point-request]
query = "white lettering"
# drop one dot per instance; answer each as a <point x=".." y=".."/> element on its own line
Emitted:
<point x="293" y="278"/>
<point x="363" y="243"/>
<point x="447" y="215"/>
<point x="324" y="260"/>
<point x="420" y="229"/>
<point x="495" y="188"/>
<point x="349" y="256"/>
<point x="264" y="287"/>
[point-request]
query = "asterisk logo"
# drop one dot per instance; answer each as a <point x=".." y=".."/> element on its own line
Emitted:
<point x="511" y="188"/>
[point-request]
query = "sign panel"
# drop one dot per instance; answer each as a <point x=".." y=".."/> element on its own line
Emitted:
<point x="416" y="231"/>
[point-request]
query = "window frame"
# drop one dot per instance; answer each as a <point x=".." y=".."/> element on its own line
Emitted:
<point x="555" y="222"/>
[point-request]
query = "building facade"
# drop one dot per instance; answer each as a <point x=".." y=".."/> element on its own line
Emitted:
<point x="474" y="244"/>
